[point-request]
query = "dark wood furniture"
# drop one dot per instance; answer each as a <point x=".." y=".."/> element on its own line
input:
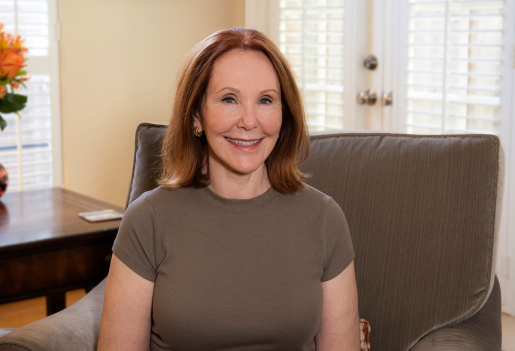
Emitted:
<point x="46" y="249"/>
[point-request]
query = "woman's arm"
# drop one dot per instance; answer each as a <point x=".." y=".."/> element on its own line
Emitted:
<point x="339" y="328"/>
<point x="126" y="316"/>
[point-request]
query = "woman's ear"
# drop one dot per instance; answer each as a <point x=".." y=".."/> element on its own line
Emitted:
<point x="196" y="122"/>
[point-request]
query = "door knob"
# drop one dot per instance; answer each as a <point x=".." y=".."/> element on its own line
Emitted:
<point x="370" y="62"/>
<point x="368" y="97"/>
<point x="388" y="98"/>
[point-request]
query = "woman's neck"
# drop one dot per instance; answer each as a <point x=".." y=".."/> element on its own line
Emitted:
<point x="232" y="185"/>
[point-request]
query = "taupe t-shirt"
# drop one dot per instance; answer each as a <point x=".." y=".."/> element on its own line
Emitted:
<point x="234" y="274"/>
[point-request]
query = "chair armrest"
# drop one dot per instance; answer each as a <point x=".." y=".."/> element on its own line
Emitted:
<point x="481" y="332"/>
<point x="74" y="328"/>
<point x="4" y="331"/>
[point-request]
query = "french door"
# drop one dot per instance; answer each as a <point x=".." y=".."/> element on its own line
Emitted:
<point x="406" y="66"/>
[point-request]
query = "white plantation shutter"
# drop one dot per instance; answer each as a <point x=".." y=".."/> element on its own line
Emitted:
<point x="454" y="75"/>
<point x="29" y="147"/>
<point x="311" y="36"/>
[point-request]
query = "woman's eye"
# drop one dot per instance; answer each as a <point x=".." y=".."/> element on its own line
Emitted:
<point x="267" y="101"/>
<point x="228" y="98"/>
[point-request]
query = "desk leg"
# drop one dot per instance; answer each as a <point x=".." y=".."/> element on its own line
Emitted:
<point x="55" y="302"/>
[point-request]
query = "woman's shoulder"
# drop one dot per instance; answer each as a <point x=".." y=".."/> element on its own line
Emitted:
<point x="161" y="195"/>
<point x="314" y="197"/>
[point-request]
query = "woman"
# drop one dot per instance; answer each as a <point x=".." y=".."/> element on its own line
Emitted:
<point x="233" y="251"/>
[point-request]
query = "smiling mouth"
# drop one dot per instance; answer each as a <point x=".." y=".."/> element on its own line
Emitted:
<point x="243" y="143"/>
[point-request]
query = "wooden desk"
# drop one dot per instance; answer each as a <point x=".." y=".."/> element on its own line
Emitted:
<point x="46" y="249"/>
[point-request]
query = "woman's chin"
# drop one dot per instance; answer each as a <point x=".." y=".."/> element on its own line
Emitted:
<point x="246" y="169"/>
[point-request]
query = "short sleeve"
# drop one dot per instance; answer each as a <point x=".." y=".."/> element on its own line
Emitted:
<point x="339" y="249"/>
<point x="134" y="243"/>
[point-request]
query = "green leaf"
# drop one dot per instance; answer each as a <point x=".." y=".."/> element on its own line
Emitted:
<point x="12" y="103"/>
<point x="22" y="99"/>
<point x="22" y="72"/>
<point x="3" y="123"/>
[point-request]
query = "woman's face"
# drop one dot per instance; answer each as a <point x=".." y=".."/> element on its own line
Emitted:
<point x="242" y="112"/>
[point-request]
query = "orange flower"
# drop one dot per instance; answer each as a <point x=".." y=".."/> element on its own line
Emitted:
<point x="11" y="63"/>
<point x="3" y="91"/>
<point x="17" y="45"/>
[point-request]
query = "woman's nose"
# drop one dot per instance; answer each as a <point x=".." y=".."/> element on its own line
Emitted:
<point x="248" y="118"/>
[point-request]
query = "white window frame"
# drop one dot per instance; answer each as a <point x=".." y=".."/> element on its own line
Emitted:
<point x="55" y="92"/>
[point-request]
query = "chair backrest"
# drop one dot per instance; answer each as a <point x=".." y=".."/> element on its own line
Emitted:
<point x="422" y="215"/>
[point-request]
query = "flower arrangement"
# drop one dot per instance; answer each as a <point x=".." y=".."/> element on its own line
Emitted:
<point x="12" y="60"/>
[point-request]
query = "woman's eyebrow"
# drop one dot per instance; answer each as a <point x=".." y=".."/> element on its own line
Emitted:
<point x="237" y="90"/>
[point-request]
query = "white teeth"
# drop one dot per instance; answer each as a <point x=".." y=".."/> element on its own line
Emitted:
<point x="243" y="143"/>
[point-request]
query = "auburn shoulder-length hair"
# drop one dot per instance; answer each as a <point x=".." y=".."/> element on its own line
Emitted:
<point x="183" y="154"/>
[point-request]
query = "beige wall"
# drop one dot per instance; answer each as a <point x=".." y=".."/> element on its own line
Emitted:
<point x="119" y="60"/>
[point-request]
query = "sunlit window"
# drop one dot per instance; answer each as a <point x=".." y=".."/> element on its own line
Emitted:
<point x="25" y="144"/>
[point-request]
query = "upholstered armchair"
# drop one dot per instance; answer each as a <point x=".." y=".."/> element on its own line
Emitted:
<point x="424" y="214"/>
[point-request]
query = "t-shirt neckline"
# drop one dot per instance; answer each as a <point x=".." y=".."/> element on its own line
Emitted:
<point x="239" y="205"/>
